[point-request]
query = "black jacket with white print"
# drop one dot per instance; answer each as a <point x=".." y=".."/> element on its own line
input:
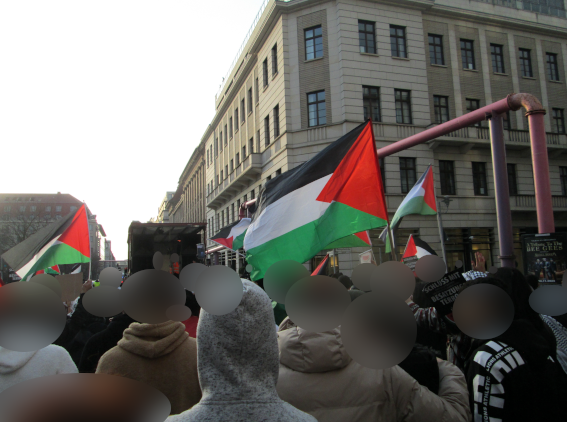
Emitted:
<point x="516" y="377"/>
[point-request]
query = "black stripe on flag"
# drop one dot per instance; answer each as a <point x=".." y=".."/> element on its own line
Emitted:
<point x="225" y="231"/>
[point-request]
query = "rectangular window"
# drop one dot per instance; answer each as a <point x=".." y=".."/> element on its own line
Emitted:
<point x="441" y="107"/>
<point x="58" y="208"/>
<point x="447" y="176"/>
<point x="473" y="105"/>
<point x="257" y="91"/>
<point x="236" y="120"/>
<point x="252" y="194"/>
<point x="552" y="68"/>
<point x="232" y="212"/>
<point x="274" y="59"/>
<point x="48" y="209"/>
<point x="243" y="152"/>
<point x="382" y="172"/>
<point x="371" y="103"/>
<point x="267" y="131"/>
<point x="242" y="105"/>
<point x="403" y="106"/>
<point x="526" y="63"/>
<point x="278" y="172"/>
<point x="230" y="128"/>
<point x="231" y="165"/>
<point x="222" y="217"/>
<point x="269" y="178"/>
<point x="250" y="100"/>
<point x="265" y="72"/>
<point x="208" y="158"/>
<point x="467" y="54"/>
<point x="497" y="54"/>
<point x="33" y="208"/>
<point x="398" y="41"/>
<point x="512" y="183"/>
<point x="479" y="178"/>
<point x="276" y="121"/>
<point x="436" y="49"/>
<point x="506" y="121"/>
<point x="258" y="141"/>
<point x="220" y="134"/>
<point x="251" y="145"/>
<point x="558" y="120"/>
<point x="366" y="37"/>
<point x="217" y="145"/>
<point x="7" y="208"/>
<point x="407" y="173"/>
<point x="226" y="135"/>
<point x="237" y="159"/>
<point x="226" y="171"/>
<point x="316" y="108"/>
<point x="563" y="177"/>
<point x="221" y="175"/>
<point x="313" y="43"/>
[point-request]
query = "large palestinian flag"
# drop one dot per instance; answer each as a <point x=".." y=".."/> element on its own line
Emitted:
<point x="232" y="236"/>
<point x="420" y="200"/>
<point x="334" y="195"/>
<point x="415" y="249"/>
<point x="63" y="242"/>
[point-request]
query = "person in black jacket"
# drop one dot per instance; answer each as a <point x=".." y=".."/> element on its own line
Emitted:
<point x="516" y="376"/>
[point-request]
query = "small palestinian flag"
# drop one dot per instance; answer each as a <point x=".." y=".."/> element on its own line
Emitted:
<point x="232" y="236"/>
<point x="356" y="240"/>
<point x="320" y="270"/>
<point x="335" y="194"/>
<point x="51" y="270"/>
<point x="415" y="249"/>
<point x="420" y="200"/>
<point x="63" y="242"/>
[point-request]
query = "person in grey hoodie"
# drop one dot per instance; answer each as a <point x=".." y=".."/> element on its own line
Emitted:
<point x="238" y="364"/>
<point x="16" y="367"/>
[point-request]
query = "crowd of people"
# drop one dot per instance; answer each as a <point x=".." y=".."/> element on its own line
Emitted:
<point x="255" y="364"/>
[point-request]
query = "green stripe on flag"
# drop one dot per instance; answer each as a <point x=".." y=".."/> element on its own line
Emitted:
<point x="58" y="254"/>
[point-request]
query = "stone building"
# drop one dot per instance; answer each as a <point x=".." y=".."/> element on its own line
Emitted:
<point x="310" y="71"/>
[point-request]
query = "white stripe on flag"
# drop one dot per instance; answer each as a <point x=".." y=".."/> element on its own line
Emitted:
<point x="26" y="268"/>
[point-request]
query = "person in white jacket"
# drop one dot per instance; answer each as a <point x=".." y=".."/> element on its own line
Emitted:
<point x="16" y="367"/>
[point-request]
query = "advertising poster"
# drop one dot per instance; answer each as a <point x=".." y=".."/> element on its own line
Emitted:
<point x="545" y="256"/>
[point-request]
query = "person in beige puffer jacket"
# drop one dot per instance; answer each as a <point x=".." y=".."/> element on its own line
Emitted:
<point x="318" y="377"/>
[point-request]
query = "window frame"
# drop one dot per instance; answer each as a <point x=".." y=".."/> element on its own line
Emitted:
<point x="366" y="35"/>
<point x="250" y="100"/>
<point x="265" y="73"/>
<point x="467" y="53"/>
<point x="400" y="101"/>
<point x="435" y="49"/>
<point x="526" y="61"/>
<point x="558" y="120"/>
<point x="257" y="83"/>
<point x="267" y="130"/>
<point x="316" y="104"/>
<point x="230" y="128"/>
<point x="243" y="108"/>
<point x="276" y="117"/>
<point x="382" y="164"/>
<point x="512" y="179"/>
<point x="367" y="103"/>
<point x="479" y="178"/>
<point x="407" y="170"/>
<point x="438" y="108"/>
<point x="314" y="40"/>
<point x="396" y="50"/>
<point x="496" y="56"/>
<point x="447" y="177"/>
<point x="275" y="60"/>
<point x="469" y="107"/>
<point x="236" y="118"/>
<point x="552" y="67"/>
<point x="563" y="179"/>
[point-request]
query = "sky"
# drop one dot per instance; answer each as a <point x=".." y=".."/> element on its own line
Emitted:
<point x="106" y="100"/>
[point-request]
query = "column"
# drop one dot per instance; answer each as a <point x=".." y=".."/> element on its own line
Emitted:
<point x="515" y="79"/>
<point x="455" y="69"/>
<point x="485" y="62"/>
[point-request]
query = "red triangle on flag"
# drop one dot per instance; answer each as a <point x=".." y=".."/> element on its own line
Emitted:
<point x="411" y="250"/>
<point x="428" y="187"/>
<point x="357" y="181"/>
<point x="77" y="234"/>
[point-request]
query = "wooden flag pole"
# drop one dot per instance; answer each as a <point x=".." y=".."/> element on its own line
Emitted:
<point x="392" y="242"/>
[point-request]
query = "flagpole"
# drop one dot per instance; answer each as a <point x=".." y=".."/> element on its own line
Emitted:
<point x="392" y="243"/>
<point x="439" y="223"/>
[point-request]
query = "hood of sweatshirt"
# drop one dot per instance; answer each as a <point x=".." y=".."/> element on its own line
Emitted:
<point x="237" y="353"/>
<point x="153" y="340"/>
<point x="11" y="361"/>
<point x="306" y="351"/>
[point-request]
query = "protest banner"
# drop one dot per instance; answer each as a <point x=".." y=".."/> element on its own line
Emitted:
<point x="71" y="285"/>
<point x="444" y="291"/>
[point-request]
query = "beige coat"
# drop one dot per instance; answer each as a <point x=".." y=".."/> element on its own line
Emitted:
<point x="160" y="355"/>
<point x="318" y="377"/>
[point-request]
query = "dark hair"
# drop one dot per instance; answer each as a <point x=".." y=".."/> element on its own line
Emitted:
<point x="532" y="281"/>
<point x="191" y="303"/>
<point x="345" y="281"/>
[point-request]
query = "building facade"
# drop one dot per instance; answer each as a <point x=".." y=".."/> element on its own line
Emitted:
<point x="310" y="71"/>
<point x="163" y="213"/>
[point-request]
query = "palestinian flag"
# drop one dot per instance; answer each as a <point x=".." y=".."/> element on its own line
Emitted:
<point x="420" y="200"/>
<point x="63" y="242"/>
<point x="333" y="195"/>
<point x="51" y="270"/>
<point x="415" y="249"/>
<point x="232" y="236"/>
<point x="356" y="240"/>
<point x="320" y="270"/>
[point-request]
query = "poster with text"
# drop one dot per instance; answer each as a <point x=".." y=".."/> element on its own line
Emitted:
<point x="444" y="291"/>
<point x="545" y="256"/>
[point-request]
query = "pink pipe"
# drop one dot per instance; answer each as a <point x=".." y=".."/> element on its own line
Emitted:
<point x="244" y="207"/>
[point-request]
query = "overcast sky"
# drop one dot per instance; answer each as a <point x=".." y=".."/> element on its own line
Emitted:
<point x="106" y="100"/>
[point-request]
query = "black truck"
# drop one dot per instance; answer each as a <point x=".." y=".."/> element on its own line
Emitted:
<point x="145" y="239"/>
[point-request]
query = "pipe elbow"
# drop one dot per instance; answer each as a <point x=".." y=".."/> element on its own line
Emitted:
<point x="528" y="101"/>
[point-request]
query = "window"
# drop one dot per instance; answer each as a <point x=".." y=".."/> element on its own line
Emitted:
<point x="479" y="178"/>
<point x="7" y="208"/>
<point x="22" y="208"/>
<point x="33" y="208"/>
<point x="230" y="128"/>
<point x="473" y="105"/>
<point x="366" y="35"/>
<point x="276" y="121"/>
<point x="506" y="121"/>
<point x="236" y="120"/>
<point x="73" y="209"/>
<point x="398" y="41"/>
<point x="497" y="53"/>
<point x="313" y="43"/>
<point x="232" y="212"/>
<point x="207" y="158"/>
<point x="441" y="107"/>
<point x="250" y="100"/>
<point x="265" y="72"/>
<point x="237" y="159"/>
<point x="278" y="172"/>
<point x="436" y="49"/>
<point x="467" y="54"/>
<point x="226" y="134"/>
<point x="257" y="91"/>
<point x="558" y="120"/>
<point x="258" y="141"/>
<point x="58" y="216"/>
<point x="403" y="106"/>
<point x="222" y="217"/>
<point x="552" y="69"/>
<point x="48" y="209"/>
<point x="243" y="152"/>
<point x="252" y="194"/>
<point x="382" y="171"/>
<point x="269" y="178"/>
<point x="226" y="171"/>
<point x="251" y="145"/>
<point x="371" y="103"/>
<point x="274" y="60"/>
<point x="267" y="130"/>
<point x="58" y="208"/>
<point x="563" y="177"/>
<point x="242" y="107"/>
<point x="407" y="173"/>
<point x="447" y="176"/>
<point x="231" y="165"/>
<point x="47" y="216"/>
<point x="512" y="183"/>
<point x="217" y="144"/>
<point x="316" y="108"/>
<point x="221" y="175"/>
<point x="526" y="63"/>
